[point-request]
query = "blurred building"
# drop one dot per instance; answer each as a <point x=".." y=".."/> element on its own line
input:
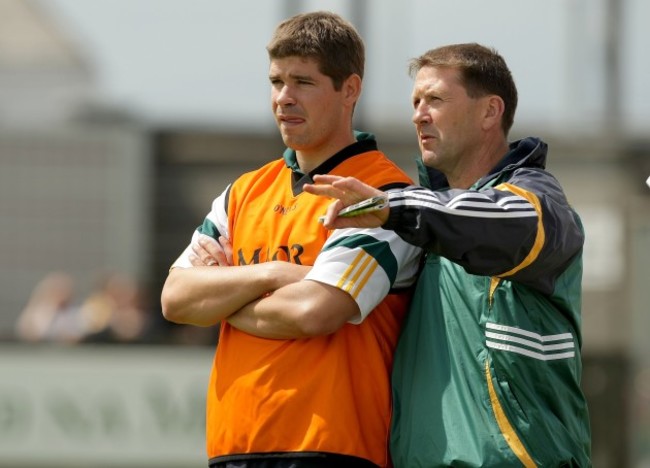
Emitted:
<point x="43" y="79"/>
<point x="73" y="173"/>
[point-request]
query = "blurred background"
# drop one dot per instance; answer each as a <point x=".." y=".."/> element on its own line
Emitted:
<point x="121" y="120"/>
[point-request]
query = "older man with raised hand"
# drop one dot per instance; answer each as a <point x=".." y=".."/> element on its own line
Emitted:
<point x="487" y="370"/>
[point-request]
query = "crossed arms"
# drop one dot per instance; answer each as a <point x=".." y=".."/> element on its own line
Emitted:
<point x="270" y="300"/>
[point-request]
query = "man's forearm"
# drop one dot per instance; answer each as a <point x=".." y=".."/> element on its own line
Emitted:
<point x="254" y="319"/>
<point x="204" y="296"/>
<point x="299" y="310"/>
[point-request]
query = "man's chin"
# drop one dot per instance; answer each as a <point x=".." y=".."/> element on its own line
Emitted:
<point x="292" y="141"/>
<point x="429" y="158"/>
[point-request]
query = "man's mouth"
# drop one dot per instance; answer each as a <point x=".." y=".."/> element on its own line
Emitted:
<point x="290" y="120"/>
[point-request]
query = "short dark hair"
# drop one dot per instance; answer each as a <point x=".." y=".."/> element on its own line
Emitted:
<point x="482" y="71"/>
<point x="325" y="37"/>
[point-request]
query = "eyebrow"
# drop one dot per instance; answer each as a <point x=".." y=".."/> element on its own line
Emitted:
<point x="293" y="76"/>
<point x="302" y="77"/>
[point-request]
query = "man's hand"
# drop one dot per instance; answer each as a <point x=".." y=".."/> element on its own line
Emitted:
<point x="347" y="191"/>
<point x="210" y="252"/>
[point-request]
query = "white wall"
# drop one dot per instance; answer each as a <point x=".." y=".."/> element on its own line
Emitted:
<point x="103" y="406"/>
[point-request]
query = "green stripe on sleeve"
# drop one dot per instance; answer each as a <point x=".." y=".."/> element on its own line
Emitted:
<point x="379" y="250"/>
<point x="209" y="229"/>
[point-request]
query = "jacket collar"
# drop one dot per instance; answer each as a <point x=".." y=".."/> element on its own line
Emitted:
<point x="527" y="152"/>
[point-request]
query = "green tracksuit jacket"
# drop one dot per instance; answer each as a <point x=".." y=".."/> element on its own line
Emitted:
<point x="487" y="370"/>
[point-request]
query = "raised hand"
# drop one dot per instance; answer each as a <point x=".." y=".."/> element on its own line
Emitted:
<point x="347" y="191"/>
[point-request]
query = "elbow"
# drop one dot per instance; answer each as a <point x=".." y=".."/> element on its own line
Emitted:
<point x="314" y="329"/>
<point x="323" y="310"/>
<point x="171" y="303"/>
<point x="315" y="320"/>
<point x="179" y="305"/>
<point x="168" y="306"/>
<point x="311" y="328"/>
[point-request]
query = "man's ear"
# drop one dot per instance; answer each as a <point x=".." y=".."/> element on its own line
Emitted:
<point x="493" y="112"/>
<point x="352" y="88"/>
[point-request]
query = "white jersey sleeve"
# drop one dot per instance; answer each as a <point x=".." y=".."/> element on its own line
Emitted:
<point x="367" y="264"/>
<point x="214" y="225"/>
